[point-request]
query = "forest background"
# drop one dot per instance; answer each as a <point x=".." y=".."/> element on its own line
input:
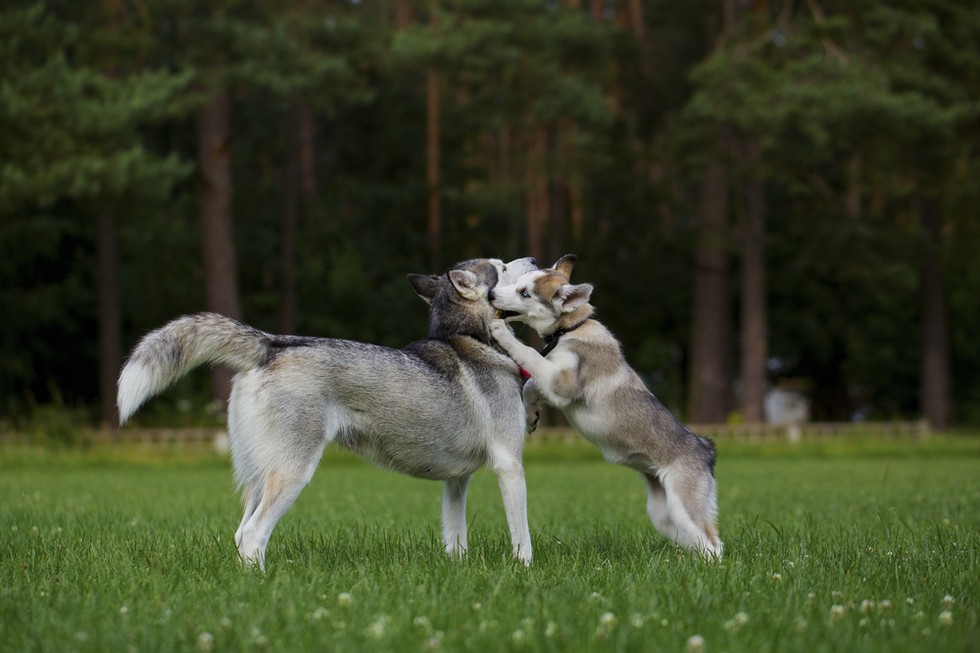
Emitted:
<point x="764" y="193"/>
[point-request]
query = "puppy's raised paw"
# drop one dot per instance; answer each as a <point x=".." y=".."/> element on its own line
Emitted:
<point x="499" y="330"/>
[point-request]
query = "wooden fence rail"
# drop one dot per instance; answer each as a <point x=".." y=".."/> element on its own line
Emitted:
<point x="218" y="438"/>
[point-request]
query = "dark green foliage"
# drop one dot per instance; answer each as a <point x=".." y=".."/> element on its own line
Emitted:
<point x="72" y="145"/>
<point x="861" y="109"/>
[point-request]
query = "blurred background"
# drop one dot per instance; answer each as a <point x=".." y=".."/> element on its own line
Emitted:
<point x="776" y="201"/>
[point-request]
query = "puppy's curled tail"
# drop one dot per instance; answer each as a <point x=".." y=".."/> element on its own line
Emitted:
<point x="168" y="353"/>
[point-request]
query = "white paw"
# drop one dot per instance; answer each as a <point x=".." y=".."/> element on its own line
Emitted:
<point x="499" y="330"/>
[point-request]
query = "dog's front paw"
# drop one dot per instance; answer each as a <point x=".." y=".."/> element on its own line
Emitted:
<point x="500" y="331"/>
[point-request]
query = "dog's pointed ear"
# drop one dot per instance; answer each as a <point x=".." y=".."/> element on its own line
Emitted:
<point x="565" y="264"/>
<point x="426" y="286"/>
<point x="571" y="297"/>
<point x="466" y="283"/>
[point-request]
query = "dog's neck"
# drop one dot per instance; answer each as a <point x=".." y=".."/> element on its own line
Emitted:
<point x="567" y="323"/>
<point x="447" y="321"/>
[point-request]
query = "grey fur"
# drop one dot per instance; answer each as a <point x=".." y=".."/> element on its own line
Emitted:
<point x="586" y="376"/>
<point x="439" y="408"/>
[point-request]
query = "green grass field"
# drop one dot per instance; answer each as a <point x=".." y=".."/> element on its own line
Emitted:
<point x="850" y="547"/>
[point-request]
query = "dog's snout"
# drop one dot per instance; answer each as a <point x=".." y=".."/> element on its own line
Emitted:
<point x="491" y="295"/>
<point x="534" y="261"/>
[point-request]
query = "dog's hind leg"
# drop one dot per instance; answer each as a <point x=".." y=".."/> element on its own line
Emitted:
<point x="454" y="515"/>
<point x="281" y="486"/>
<point x="691" y="504"/>
<point x="657" y="507"/>
<point x="251" y="500"/>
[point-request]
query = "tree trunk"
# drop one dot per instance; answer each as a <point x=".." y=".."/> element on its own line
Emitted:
<point x="433" y="228"/>
<point x="220" y="269"/>
<point x="536" y="191"/>
<point x="110" y="337"/>
<point x="299" y="183"/>
<point x="754" y="308"/>
<point x="403" y="14"/>
<point x="852" y="197"/>
<point x="559" y="195"/>
<point x="287" y="233"/>
<point x="711" y="322"/>
<point x="936" y="403"/>
<point x="110" y="313"/>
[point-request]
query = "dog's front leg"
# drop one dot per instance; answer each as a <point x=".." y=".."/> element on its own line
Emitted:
<point x="454" y="516"/>
<point x="546" y="374"/>
<point x="513" y="491"/>
<point x="523" y="355"/>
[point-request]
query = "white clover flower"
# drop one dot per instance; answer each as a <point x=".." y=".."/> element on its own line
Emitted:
<point x="319" y="614"/>
<point x="909" y="600"/>
<point x="124" y="610"/>
<point x="422" y="623"/>
<point x="946" y="618"/>
<point x="377" y="629"/>
<point x="695" y="644"/>
<point x="867" y="605"/>
<point x="736" y="622"/>
<point x="518" y="638"/>
<point x="608" y="620"/>
<point x="434" y="643"/>
<point x="836" y="612"/>
<point x="205" y="642"/>
<point x="551" y="629"/>
<point x="801" y="625"/>
<point x="637" y="620"/>
<point x="344" y="598"/>
<point x="884" y="604"/>
<point x="948" y="600"/>
<point x="777" y="576"/>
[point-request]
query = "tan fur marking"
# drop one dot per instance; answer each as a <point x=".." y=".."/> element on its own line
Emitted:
<point x="271" y="491"/>
<point x="548" y="284"/>
<point x="565" y="384"/>
<point x="710" y="531"/>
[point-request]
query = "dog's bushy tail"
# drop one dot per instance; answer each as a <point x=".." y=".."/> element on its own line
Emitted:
<point x="168" y="353"/>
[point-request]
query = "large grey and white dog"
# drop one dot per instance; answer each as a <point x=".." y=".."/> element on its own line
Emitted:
<point x="439" y="408"/>
<point x="584" y="373"/>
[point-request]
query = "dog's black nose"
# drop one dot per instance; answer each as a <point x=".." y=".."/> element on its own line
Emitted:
<point x="490" y="296"/>
<point x="534" y="261"/>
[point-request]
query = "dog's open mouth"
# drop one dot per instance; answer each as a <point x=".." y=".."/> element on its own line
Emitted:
<point x="504" y="315"/>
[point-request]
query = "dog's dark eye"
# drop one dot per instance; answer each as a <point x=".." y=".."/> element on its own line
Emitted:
<point x="525" y="294"/>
